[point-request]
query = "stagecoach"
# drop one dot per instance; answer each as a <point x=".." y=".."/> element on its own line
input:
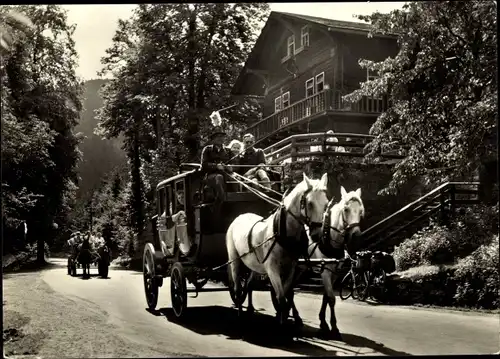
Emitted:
<point x="99" y="257"/>
<point x="189" y="240"/>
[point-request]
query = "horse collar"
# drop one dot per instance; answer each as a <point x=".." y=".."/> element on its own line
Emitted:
<point x="280" y="234"/>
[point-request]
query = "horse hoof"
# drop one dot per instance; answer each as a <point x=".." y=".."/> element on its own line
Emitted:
<point x="335" y="335"/>
<point x="324" y="328"/>
<point x="298" y="322"/>
<point x="250" y="310"/>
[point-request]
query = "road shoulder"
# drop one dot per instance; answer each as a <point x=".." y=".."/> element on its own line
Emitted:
<point x="39" y="321"/>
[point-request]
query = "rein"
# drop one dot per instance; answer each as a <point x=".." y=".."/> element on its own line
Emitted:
<point x="278" y="237"/>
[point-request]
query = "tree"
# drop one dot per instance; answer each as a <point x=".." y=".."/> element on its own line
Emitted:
<point x="42" y="95"/>
<point x="12" y="24"/>
<point x="173" y="64"/>
<point x="441" y="86"/>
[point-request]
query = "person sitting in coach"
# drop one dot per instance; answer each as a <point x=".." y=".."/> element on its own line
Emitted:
<point x="254" y="157"/>
<point x="213" y="163"/>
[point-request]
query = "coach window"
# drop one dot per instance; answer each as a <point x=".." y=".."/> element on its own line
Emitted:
<point x="168" y="199"/>
<point x="162" y="200"/>
<point x="180" y="195"/>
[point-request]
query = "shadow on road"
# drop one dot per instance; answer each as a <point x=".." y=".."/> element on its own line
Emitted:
<point x="262" y="329"/>
<point x="32" y="267"/>
<point x="92" y="275"/>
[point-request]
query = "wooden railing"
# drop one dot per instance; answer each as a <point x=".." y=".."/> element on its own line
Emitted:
<point x="326" y="100"/>
<point x="442" y="201"/>
<point x="305" y="147"/>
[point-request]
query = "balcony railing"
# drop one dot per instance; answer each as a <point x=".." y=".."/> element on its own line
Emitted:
<point x="309" y="146"/>
<point x="316" y="104"/>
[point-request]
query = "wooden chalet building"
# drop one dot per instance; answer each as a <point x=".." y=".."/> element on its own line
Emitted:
<point x="301" y="66"/>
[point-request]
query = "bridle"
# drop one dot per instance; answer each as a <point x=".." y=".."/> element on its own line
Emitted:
<point x="304" y="219"/>
<point x="326" y="227"/>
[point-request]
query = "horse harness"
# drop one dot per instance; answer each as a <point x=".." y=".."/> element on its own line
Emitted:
<point x="323" y="243"/>
<point x="295" y="248"/>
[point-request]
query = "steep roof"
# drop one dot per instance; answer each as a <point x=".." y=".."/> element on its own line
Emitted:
<point x="337" y="24"/>
<point x="330" y="24"/>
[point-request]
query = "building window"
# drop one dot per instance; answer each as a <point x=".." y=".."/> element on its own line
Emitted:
<point x="286" y="99"/>
<point x="277" y="104"/>
<point x="304" y="36"/>
<point x="290" y="50"/>
<point x="320" y="82"/>
<point x="310" y="87"/>
<point x="282" y="102"/>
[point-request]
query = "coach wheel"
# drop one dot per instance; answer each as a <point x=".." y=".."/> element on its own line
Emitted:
<point x="178" y="290"/>
<point x="148" y="269"/>
<point x="239" y="297"/>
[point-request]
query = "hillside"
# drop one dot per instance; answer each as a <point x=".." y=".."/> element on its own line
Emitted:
<point x="99" y="156"/>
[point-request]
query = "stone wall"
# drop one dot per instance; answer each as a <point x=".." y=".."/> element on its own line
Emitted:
<point x="353" y="174"/>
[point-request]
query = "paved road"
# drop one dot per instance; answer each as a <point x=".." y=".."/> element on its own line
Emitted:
<point x="211" y="326"/>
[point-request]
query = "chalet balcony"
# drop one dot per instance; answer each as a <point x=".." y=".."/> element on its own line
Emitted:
<point x="327" y="101"/>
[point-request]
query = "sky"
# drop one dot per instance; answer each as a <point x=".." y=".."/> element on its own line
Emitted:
<point x="96" y="24"/>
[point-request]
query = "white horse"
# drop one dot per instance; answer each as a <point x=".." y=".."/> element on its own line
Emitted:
<point x="272" y="245"/>
<point x="341" y="228"/>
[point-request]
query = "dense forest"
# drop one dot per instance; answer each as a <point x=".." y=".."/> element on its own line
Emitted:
<point x="100" y="159"/>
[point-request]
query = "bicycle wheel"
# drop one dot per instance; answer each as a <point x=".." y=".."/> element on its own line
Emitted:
<point x="346" y="286"/>
<point x="362" y="284"/>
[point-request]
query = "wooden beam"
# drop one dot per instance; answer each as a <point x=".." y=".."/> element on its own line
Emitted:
<point x="360" y="32"/>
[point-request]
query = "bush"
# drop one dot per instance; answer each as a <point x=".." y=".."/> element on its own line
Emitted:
<point x="423" y="285"/>
<point x="477" y="277"/>
<point x="429" y="246"/>
<point x="472" y="228"/>
<point x="472" y="282"/>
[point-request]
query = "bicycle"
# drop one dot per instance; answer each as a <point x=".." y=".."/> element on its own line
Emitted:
<point x="377" y="277"/>
<point x="365" y="278"/>
<point x="355" y="283"/>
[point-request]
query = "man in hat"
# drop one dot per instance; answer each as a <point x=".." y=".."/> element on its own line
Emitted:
<point x="213" y="162"/>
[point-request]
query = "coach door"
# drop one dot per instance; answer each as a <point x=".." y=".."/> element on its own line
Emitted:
<point x="163" y="214"/>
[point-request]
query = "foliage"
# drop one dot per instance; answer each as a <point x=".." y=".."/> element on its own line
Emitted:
<point x="429" y="246"/>
<point x="99" y="156"/>
<point x="442" y="89"/>
<point x="109" y="207"/>
<point x="172" y="65"/>
<point x="12" y="23"/>
<point x="441" y="245"/>
<point x="478" y="277"/>
<point x="472" y="282"/>
<point x="40" y="107"/>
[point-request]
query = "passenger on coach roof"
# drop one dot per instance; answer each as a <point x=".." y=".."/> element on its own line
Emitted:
<point x="254" y="157"/>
